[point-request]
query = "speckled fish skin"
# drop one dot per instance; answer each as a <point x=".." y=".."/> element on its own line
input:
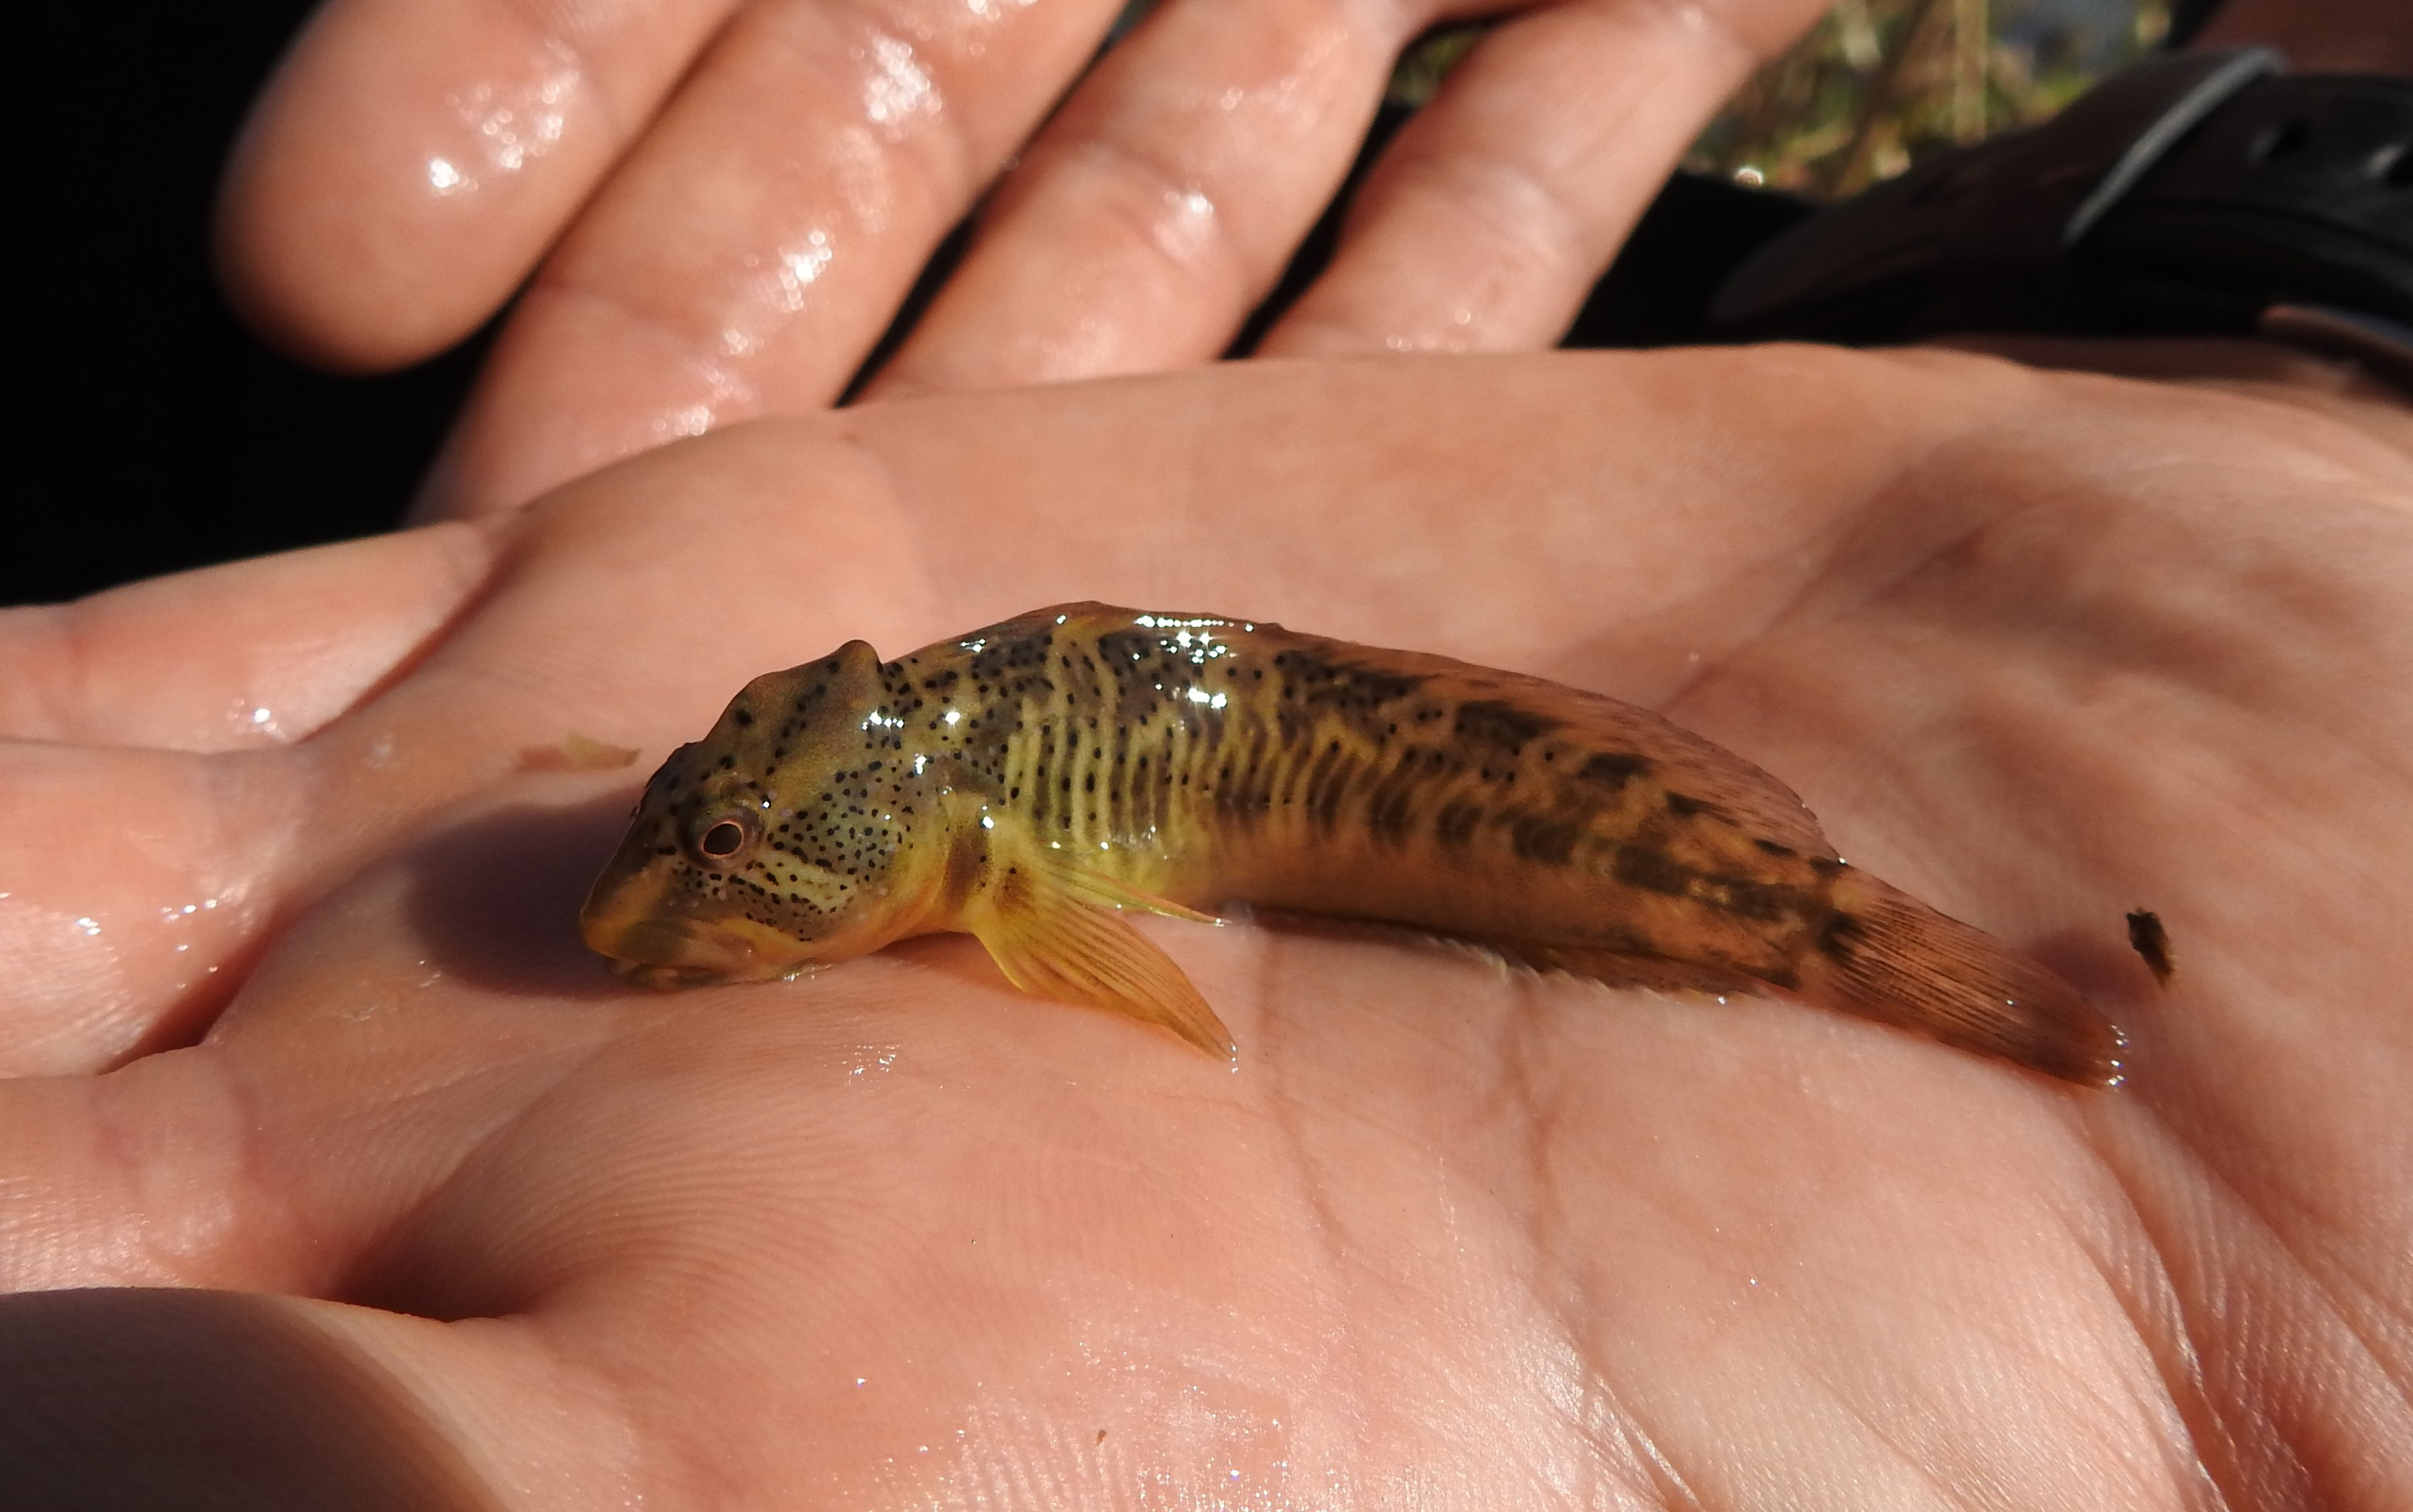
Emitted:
<point x="1026" y="781"/>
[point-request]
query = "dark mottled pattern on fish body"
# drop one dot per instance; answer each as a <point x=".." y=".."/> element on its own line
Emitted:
<point x="1025" y="781"/>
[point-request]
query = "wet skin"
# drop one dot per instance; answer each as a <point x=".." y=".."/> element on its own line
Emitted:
<point x="2042" y="648"/>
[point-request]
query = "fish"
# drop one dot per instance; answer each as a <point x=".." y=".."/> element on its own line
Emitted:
<point x="1031" y="782"/>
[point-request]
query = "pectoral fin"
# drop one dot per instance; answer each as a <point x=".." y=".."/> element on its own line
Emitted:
<point x="1094" y="886"/>
<point x="1051" y="926"/>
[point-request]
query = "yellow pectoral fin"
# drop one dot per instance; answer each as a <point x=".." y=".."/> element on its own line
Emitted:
<point x="1094" y="886"/>
<point x="1050" y="937"/>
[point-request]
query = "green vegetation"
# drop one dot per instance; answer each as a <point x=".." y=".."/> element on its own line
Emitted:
<point x="1877" y="85"/>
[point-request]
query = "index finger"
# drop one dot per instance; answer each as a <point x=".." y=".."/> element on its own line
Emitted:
<point x="411" y="160"/>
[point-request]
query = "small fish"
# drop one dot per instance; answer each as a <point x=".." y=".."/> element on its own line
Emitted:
<point x="1027" y="782"/>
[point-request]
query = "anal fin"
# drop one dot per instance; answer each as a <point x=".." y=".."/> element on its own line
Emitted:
<point x="1621" y="969"/>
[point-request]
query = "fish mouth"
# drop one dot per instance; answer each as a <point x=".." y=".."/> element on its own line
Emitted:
<point x="652" y="950"/>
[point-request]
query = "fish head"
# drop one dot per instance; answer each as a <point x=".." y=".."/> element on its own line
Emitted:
<point x="775" y="843"/>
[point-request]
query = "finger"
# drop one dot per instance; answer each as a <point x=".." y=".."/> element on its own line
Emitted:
<point x="137" y="886"/>
<point x="134" y="880"/>
<point x="250" y="654"/>
<point x="1164" y="198"/>
<point x="751" y="248"/>
<point x="411" y="160"/>
<point x="270" y="1162"/>
<point x="127" y="1397"/>
<point x="110" y="1181"/>
<point x="1499" y="204"/>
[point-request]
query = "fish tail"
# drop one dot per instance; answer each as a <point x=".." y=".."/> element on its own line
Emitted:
<point x="1886" y="956"/>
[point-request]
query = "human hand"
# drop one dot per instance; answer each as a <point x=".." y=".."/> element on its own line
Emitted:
<point x="722" y="203"/>
<point x="2039" y="648"/>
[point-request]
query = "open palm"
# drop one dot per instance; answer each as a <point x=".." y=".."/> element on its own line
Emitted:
<point x="2041" y="648"/>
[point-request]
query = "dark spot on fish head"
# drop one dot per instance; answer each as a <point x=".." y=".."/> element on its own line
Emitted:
<point x="774" y="822"/>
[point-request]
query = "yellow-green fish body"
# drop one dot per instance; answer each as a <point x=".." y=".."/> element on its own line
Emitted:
<point x="1026" y="782"/>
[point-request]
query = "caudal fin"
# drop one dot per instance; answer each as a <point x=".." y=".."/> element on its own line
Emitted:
<point x="1887" y="956"/>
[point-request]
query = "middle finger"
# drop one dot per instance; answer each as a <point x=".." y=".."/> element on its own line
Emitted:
<point x="748" y="251"/>
<point x="1161" y="203"/>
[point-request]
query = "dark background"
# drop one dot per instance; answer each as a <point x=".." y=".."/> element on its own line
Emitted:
<point x="155" y="433"/>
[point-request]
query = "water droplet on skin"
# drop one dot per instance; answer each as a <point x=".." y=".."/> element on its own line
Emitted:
<point x="250" y="719"/>
<point x="896" y="88"/>
<point x="510" y="124"/>
<point x="691" y="420"/>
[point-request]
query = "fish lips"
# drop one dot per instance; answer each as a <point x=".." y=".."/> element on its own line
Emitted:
<point x="652" y="949"/>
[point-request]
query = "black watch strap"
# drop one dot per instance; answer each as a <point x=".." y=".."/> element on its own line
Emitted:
<point x="2196" y="193"/>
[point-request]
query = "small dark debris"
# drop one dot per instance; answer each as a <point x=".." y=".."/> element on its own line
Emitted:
<point x="2153" y="942"/>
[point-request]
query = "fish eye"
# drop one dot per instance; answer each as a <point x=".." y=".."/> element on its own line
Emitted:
<point x="721" y="841"/>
